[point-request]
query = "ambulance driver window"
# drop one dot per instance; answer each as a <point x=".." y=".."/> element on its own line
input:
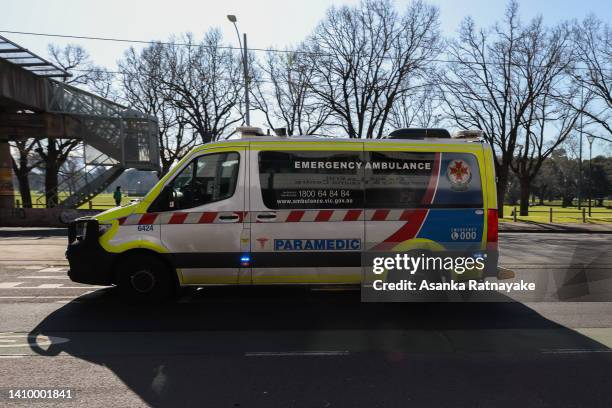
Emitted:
<point x="207" y="179"/>
<point x="311" y="180"/>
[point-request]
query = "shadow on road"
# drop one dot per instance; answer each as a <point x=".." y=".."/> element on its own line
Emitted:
<point x="299" y="348"/>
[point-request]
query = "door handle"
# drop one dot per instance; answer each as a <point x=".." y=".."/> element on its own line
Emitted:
<point x="266" y="216"/>
<point x="228" y="218"/>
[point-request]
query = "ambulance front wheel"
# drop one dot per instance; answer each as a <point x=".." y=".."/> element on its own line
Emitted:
<point x="144" y="278"/>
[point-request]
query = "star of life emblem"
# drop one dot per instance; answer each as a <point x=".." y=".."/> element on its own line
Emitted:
<point x="459" y="175"/>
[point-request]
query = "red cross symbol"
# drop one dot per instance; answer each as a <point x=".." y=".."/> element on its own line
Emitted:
<point x="458" y="170"/>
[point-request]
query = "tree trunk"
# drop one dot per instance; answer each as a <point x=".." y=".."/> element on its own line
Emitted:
<point x="502" y="187"/>
<point x="525" y="187"/>
<point x="51" y="173"/>
<point x="24" y="189"/>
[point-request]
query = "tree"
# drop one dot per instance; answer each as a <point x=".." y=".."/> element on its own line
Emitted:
<point x="365" y="57"/>
<point x="142" y="88"/>
<point x="544" y="58"/>
<point x="204" y="81"/>
<point x="491" y="84"/>
<point x="283" y="93"/>
<point x="417" y="108"/>
<point x="593" y="44"/>
<point x="55" y="152"/>
<point x="27" y="160"/>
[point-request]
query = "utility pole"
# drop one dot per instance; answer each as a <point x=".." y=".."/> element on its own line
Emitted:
<point x="245" y="65"/>
<point x="580" y="154"/>
<point x="590" y="139"/>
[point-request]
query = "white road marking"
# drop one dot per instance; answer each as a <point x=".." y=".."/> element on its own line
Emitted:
<point x="49" y="285"/>
<point x="40" y="297"/>
<point x="44" y="277"/>
<point x="295" y="353"/>
<point x="54" y="269"/>
<point x="7" y="285"/>
<point x="575" y="351"/>
<point x="25" y="340"/>
<point x="13" y="285"/>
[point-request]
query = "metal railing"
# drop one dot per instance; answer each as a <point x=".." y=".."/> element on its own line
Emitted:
<point x="74" y="183"/>
<point x="584" y="215"/>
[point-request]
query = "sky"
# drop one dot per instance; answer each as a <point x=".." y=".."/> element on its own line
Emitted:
<point x="268" y="23"/>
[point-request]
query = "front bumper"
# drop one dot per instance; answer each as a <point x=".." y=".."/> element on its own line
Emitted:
<point x="89" y="262"/>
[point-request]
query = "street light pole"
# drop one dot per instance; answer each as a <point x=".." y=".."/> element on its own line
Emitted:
<point x="580" y="155"/>
<point x="590" y="139"/>
<point x="245" y="65"/>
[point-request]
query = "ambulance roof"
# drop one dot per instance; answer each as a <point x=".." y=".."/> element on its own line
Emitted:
<point x="324" y="139"/>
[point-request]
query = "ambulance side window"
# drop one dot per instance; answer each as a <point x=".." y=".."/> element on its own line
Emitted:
<point x="311" y="179"/>
<point x="207" y="179"/>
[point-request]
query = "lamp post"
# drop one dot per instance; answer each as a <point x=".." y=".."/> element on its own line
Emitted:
<point x="590" y="138"/>
<point x="580" y="155"/>
<point x="245" y="65"/>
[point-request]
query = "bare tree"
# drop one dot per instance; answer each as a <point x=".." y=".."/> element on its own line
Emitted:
<point x="593" y="45"/>
<point x="142" y="78"/>
<point x="495" y="81"/>
<point x="283" y="93"/>
<point x="417" y="108"/>
<point x="55" y="152"/>
<point x="204" y="82"/>
<point x="365" y="57"/>
<point x="544" y="61"/>
<point x="26" y="161"/>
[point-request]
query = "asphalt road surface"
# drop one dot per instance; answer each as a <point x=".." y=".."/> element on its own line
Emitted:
<point x="300" y="347"/>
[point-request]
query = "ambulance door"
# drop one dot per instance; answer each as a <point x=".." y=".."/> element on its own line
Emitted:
<point x="307" y="223"/>
<point x="202" y="224"/>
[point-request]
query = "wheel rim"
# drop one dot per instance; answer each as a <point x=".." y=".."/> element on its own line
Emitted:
<point x="143" y="281"/>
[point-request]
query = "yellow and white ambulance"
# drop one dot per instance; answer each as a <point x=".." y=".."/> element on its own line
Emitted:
<point x="292" y="210"/>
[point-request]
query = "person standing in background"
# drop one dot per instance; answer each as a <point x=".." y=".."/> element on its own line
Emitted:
<point x="117" y="196"/>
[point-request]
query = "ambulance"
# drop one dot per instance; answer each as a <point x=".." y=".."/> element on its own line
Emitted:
<point x="293" y="210"/>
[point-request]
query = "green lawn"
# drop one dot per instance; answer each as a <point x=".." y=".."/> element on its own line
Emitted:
<point x="102" y="201"/>
<point x="541" y="213"/>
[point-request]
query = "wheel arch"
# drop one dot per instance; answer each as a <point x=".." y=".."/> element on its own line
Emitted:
<point x="135" y="252"/>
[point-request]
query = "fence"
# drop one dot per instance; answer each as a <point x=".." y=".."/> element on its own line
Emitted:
<point x="560" y="215"/>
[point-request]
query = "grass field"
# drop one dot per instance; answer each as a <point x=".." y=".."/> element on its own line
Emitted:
<point x="541" y="213"/>
<point x="102" y="201"/>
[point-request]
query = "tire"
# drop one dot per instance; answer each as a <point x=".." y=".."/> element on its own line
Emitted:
<point x="144" y="278"/>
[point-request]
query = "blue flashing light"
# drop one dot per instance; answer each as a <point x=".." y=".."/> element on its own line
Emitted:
<point x="245" y="260"/>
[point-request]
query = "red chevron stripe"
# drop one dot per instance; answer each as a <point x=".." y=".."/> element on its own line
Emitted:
<point x="178" y="218"/>
<point x="147" y="219"/>
<point x="295" y="216"/>
<point x="380" y="215"/>
<point x="208" y="217"/>
<point x="433" y="182"/>
<point x="352" y="215"/>
<point x="407" y="231"/>
<point x="324" y="215"/>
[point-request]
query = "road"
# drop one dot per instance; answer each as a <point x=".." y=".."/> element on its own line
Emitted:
<point x="298" y="347"/>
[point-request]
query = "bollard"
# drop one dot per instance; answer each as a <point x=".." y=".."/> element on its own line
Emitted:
<point x="17" y="204"/>
<point x="90" y="205"/>
<point x="514" y="213"/>
<point x="583" y="215"/>
<point x="550" y="215"/>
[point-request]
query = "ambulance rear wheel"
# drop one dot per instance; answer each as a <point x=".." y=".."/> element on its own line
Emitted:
<point x="144" y="279"/>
